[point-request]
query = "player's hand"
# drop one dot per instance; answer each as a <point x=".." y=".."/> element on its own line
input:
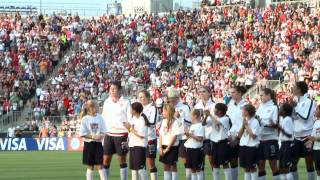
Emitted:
<point x="177" y="114"/>
<point x="98" y="137"/>
<point x="126" y="125"/>
<point x="309" y="144"/>
<point x="187" y="134"/>
<point x="310" y="138"/>
<point x="245" y="122"/>
<point x="161" y="152"/>
<point x="166" y="150"/>
<point x="206" y="112"/>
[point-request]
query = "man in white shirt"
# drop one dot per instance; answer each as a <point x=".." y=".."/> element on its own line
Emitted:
<point x="11" y="132"/>
<point x="116" y="111"/>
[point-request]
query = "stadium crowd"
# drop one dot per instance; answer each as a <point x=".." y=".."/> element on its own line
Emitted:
<point x="218" y="51"/>
<point x="218" y="48"/>
<point x="29" y="49"/>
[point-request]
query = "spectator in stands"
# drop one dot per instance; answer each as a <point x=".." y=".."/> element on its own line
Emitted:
<point x="53" y="131"/>
<point x="44" y="132"/>
<point x="11" y="132"/>
<point x="18" y="132"/>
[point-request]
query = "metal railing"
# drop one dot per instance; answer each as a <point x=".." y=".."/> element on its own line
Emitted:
<point x="260" y="85"/>
<point x="11" y="117"/>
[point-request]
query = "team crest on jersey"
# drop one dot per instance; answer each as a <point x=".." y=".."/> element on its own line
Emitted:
<point x="94" y="126"/>
<point x="269" y="111"/>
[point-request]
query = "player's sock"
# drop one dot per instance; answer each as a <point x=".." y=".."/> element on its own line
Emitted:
<point x="134" y="175"/>
<point x="203" y="175"/>
<point x="200" y="175"/>
<point x="254" y="175"/>
<point x="311" y="174"/>
<point x="175" y="175"/>
<point x="124" y="171"/>
<point x="234" y="173"/>
<point x="194" y="176"/>
<point x="318" y="177"/>
<point x="106" y="170"/>
<point x="154" y="174"/>
<point x="262" y="175"/>
<point x="143" y="174"/>
<point x="276" y="176"/>
<point x="282" y="177"/>
<point x="227" y="174"/>
<point x="102" y="174"/>
<point x="216" y="174"/>
<point x="89" y="174"/>
<point x="295" y="175"/>
<point x="167" y="175"/>
<point x="188" y="173"/>
<point x="289" y="176"/>
<point x="247" y="176"/>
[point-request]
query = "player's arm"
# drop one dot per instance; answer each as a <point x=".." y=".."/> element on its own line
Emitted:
<point x="252" y="131"/>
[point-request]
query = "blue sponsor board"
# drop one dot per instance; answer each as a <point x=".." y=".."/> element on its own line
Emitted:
<point x="33" y="144"/>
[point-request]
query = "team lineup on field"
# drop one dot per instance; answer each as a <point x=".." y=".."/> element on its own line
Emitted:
<point x="230" y="136"/>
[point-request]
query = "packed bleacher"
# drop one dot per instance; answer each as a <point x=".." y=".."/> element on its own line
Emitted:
<point x="30" y="47"/>
<point x="218" y="48"/>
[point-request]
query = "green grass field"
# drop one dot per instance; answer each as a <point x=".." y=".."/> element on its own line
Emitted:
<point x="50" y="165"/>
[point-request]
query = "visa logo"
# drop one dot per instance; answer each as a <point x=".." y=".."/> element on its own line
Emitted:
<point x="13" y="144"/>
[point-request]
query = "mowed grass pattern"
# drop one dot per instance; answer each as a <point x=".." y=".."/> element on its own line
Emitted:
<point x="54" y="165"/>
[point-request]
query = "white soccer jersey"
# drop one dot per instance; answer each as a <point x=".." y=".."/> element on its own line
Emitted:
<point x="303" y="116"/>
<point x="209" y="106"/>
<point x="220" y="132"/>
<point x="115" y="114"/>
<point x="246" y="139"/>
<point x="268" y="114"/>
<point x="167" y="134"/>
<point x="197" y="130"/>
<point x="287" y="125"/>
<point x="184" y="119"/>
<point x="139" y="125"/>
<point x="92" y="125"/>
<point x="151" y="112"/>
<point x="235" y="114"/>
<point x="316" y="133"/>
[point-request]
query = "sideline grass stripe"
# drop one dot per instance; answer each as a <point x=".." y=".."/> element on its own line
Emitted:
<point x="55" y="165"/>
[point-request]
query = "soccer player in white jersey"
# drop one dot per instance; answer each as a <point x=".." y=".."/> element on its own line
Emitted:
<point x="221" y="124"/>
<point x="303" y="120"/>
<point x="235" y="113"/>
<point x="151" y="113"/>
<point x="286" y="139"/>
<point x="169" y="142"/>
<point x="314" y="140"/>
<point x="249" y="142"/>
<point x="92" y="130"/>
<point x="206" y="104"/>
<point x="116" y="111"/>
<point x="138" y="132"/>
<point x="268" y="147"/>
<point x="183" y="118"/>
<point x="193" y="145"/>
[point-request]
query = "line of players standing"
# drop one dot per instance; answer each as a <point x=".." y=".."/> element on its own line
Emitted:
<point x="228" y="135"/>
